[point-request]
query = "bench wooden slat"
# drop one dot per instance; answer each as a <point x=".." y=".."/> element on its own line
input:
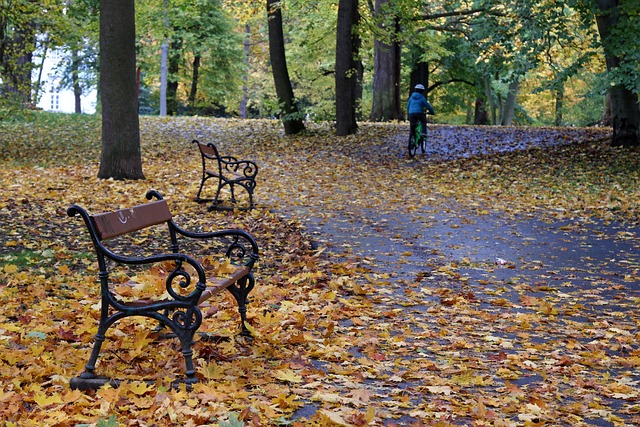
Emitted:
<point x="123" y="221"/>
<point x="219" y="284"/>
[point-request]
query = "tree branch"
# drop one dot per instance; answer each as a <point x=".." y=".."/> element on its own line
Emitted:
<point x="433" y="16"/>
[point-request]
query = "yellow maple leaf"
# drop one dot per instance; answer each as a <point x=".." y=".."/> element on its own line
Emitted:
<point x="42" y="400"/>
<point x="10" y="268"/>
<point x="139" y="388"/>
<point x="288" y="375"/>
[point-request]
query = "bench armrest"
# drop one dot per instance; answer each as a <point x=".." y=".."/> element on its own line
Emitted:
<point x="179" y="276"/>
<point x="245" y="167"/>
<point x="241" y="249"/>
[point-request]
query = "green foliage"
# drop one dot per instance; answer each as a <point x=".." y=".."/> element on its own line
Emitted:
<point x="549" y="42"/>
<point x="206" y="31"/>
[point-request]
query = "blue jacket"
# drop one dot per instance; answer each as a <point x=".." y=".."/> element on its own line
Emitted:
<point x="417" y="103"/>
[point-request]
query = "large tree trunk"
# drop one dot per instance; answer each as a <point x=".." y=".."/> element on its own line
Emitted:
<point x="386" y="76"/>
<point x="419" y="75"/>
<point x="194" y="81"/>
<point x="509" y="109"/>
<point x="491" y="104"/>
<point x="346" y="68"/>
<point x="291" y="119"/>
<point x="624" y="103"/>
<point x="175" y="58"/>
<point x="121" y="157"/>
<point x="480" y="115"/>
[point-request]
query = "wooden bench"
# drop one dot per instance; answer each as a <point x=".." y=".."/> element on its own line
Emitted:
<point x="127" y="249"/>
<point x="229" y="172"/>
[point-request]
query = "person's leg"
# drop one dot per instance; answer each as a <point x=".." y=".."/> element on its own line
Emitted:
<point x="413" y="119"/>
<point x="423" y="120"/>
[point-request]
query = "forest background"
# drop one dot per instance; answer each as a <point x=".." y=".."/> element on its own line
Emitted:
<point x="483" y="62"/>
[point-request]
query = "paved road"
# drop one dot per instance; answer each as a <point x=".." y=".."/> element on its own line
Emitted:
<point x="587" y="270"/>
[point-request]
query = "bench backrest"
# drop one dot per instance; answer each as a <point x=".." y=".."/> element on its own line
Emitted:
<point x="208" y="150"/>
<point x="112" y="224"/>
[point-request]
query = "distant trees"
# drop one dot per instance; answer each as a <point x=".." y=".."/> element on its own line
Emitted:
<point x="502" y="62"/>
<point x="21" y="21"/>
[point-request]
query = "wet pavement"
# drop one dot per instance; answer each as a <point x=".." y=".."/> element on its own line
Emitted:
<point x="585" y="269"/>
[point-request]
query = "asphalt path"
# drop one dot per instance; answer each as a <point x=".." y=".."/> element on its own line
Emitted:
<point x="562" y="260"/>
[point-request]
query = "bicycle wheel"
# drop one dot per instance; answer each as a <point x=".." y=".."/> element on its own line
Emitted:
<point x="413" y="145"/>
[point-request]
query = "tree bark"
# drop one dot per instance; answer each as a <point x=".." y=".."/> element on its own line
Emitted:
<point x="346" y="67"/>
<point x="163" y="61"/>
<point x="291" y="119"/>
<point x="163" y="78"/>
<point x="480" y="115"/>
<point x="386" y="75"/>
<point x="121" y="157"/>
<point x="509" y="109"/>
<point x="75" y="77"/>
<point x="419" y="74"/>
<point x="175" y="52"/>
<point x="559" y="104"/>
<point x="490" y="101"/>
<point x="194" y="81"/>
<point x="625" y="111"/>
<point x="17" y="63"/>
<point x="245" y="86"/>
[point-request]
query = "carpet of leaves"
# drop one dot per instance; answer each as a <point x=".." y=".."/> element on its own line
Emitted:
<point x="337" y="341"/>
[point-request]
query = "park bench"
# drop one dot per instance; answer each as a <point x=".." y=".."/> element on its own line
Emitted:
<point x="144" y="270"/>
<point x="226" y="171"/>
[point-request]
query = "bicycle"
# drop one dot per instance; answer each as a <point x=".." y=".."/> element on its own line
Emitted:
<point x="417" y="139"/>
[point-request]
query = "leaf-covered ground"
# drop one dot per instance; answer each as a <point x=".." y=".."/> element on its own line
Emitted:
<point x="491" y="282"/>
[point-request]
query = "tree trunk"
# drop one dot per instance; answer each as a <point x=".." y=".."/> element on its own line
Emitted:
<point x="163" y="78"/>
<point x="346" y="67"/>
<point x="419" y="75"/>
<point x="386" y="76"/>
<point x="625" y="111"/>
<point x="491" y="103"/>
<point x="469" y="116"/>
<point x="245" y="87"/>
<point x="480" y="115"/>
<point x="38" y="85"/>
<point x="509" y="109"/>
<point x="121" y="157"/>
<point x="75" y="78"/>
<point x="17" y="63"/>
<point x="163" y="61"/>
<point x="194" y="81"/>
<point x="291" y="119"/>
<point x="175" y="52"/>
<point x="559" y="104"/>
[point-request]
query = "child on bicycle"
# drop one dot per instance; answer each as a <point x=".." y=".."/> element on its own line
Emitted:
<point x="416" y="106"/>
